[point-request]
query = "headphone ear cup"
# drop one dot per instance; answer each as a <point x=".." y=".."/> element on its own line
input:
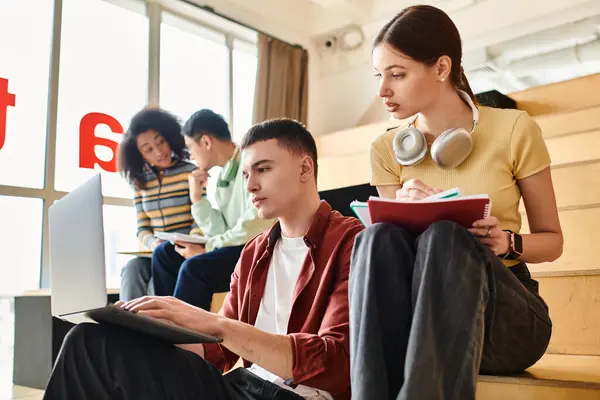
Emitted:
<point x="451" y="148"/>
<point x="410" y="146"/>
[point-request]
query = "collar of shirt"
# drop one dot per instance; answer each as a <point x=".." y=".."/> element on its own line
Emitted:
<point x="230" y="169"/>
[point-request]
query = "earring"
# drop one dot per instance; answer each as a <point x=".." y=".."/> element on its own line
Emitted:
<point x="443" y="79"/>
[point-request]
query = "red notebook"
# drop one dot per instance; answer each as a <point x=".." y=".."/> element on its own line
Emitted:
<point x="416" y="216"/>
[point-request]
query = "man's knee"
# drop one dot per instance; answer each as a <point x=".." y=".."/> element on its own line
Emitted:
<point x="191" y="267"/>
<point x="161" y="250"/>
<point x="82" y="335"/>
<point x="162" y="256"/>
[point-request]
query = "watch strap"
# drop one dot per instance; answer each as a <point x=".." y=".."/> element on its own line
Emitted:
<point x="515" y="246"/>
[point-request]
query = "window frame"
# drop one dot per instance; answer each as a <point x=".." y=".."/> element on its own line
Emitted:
<point x="153" y="10"/>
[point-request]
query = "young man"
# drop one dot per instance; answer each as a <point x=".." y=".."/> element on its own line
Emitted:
<point x="286" y="314"/>
<point x="193" y="273"/>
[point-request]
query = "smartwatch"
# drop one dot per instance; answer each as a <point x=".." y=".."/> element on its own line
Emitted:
<point x="515" y="246"/>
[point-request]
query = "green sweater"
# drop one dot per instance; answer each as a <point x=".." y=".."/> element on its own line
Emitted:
<point x="233" y="220"/>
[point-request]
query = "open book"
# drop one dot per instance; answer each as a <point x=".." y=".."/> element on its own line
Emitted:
<point x="416" y="216"/>
<point x="180" y="237"/>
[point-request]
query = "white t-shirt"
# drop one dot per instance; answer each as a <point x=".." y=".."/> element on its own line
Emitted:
<point x="276" y="305"/>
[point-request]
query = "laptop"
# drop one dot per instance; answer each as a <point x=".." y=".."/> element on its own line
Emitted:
<point x="77" y="269"/>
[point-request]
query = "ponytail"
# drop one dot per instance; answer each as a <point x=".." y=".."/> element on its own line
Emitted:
<point x="462" y="83"/>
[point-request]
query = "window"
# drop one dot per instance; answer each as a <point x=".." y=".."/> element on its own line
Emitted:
<point x="245" y="60"/>
<point x="25" y="36"/>
<point x="120" y="228"/>
<point x="21" y="241"/>
<point x="103" y="82"/>
<point x="193" y="68"/>
<point x="103" y="79"/>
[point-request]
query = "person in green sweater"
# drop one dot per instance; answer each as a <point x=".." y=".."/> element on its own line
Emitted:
<point x="193" y="272"/>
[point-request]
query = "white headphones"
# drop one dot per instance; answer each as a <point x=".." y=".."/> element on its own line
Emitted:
<point x="448" y="150"/>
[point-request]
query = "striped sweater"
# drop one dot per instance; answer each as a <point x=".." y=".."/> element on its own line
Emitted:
<point x="164" y="204"/>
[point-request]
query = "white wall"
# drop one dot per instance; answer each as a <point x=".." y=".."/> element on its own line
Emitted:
<point x="343" y="99"/>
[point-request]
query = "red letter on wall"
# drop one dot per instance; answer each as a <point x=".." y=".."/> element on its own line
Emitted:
<point x="6" y="100"/>
<point x="88" y="140"/>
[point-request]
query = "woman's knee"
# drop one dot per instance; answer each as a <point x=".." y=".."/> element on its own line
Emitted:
<point x="381" y="228"/>
<point x="452" y="245"/>
<point x="382" y="232"/>
<point x="446" y="235"/>
<point x="443" y="228"/>
<point x="136" y="267"/>
<point x="381" y="249"/>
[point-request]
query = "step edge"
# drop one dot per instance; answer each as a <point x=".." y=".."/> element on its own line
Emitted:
<point x="552" y="350"/>
<point x="574" y="207"/>
<point x="565" y="273"/>
<point x="533" y="381"/>
<point x="553" y="136"/>
<point x="555" y="114"/>
<point x="575" y="164"/>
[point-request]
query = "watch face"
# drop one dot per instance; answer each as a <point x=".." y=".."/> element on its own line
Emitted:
<point x="518" y="243"/>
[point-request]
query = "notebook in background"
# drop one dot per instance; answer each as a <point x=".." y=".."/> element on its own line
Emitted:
<point x="361" y="210"/>
<point x="181" y="237"/>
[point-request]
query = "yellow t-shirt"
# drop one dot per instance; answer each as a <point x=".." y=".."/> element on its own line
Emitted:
<point x="507" y="146"/>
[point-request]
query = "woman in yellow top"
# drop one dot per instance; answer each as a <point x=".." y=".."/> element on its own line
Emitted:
<point x="430" y="312"/>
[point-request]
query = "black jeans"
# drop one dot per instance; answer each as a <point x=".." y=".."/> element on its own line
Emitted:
<point x="107" y="362"/>
<point x="428" y="314"/>
<point x="197" y="279"/>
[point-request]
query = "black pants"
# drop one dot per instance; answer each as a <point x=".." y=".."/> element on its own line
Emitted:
<point x="197" y="279"/>
<point x="107" y="362"/>
<point x="428" y="314"/>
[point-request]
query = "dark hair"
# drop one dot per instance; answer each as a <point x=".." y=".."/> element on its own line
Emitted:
<point x="207" y="122"/>
<point x="425" y="33"/>
<point x="290" y="134"/>
<point x="130" y="161"/>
